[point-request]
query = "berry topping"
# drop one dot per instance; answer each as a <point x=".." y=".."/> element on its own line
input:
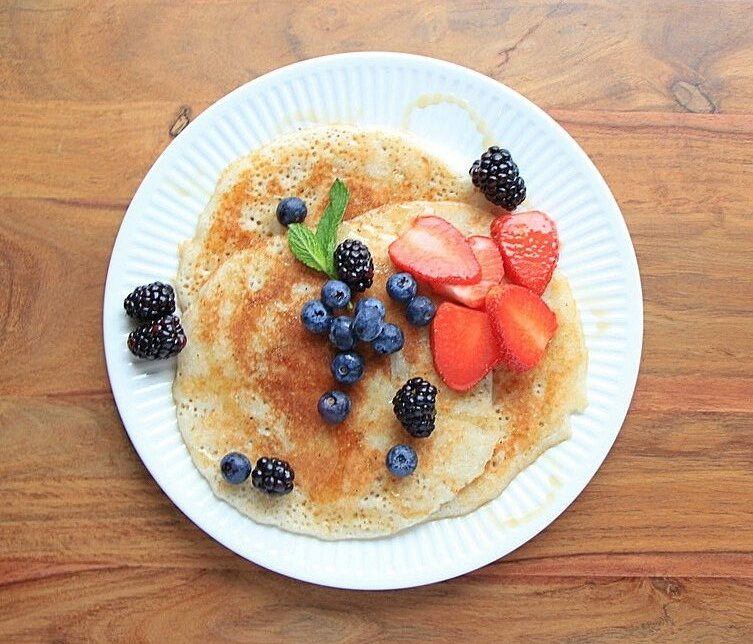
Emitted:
<point x="402" y="287"/>
<point x="158" y="340"/>
<point x="340" y="333"/>
<point x="374" y="304"/>
<point x="529" y="246"/>
<point x="347" y="367"/>
<point x="273" y="476"/>
<point x="420" y="311"/>
<point x="335" y="294"/>
<point x="415" y="407"/>
<point x="315" y="317"/>
<point x="497" y="176"/>
<point x="334" y="407"/>
<point x="390" y="340"/>
<point x="150" y="302"/>
<point x="492" y="272"/>
<point x="463" y="346"/>
<point x="402" y="460"/>
<point x="235" y="468"/>
<point x="354" y="265"/>
<point x="368" y="322"/>
<point x="489" y="257"/>
<point x="291" y="210"/>
<point x="434" y="250"/>
<point x="522" y="323"/>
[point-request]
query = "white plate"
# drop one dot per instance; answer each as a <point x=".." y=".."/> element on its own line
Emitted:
<point x="457" y="112"/>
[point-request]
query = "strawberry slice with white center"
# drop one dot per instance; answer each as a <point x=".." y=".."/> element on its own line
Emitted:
<point x="530" y="247"/>
<point x="522" y="323"/>
<point x="492" y="271"/>
<point x="435" y="251"/>
<point x="463" y="346"/>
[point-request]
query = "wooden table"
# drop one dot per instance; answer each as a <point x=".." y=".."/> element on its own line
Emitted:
<point x="659" y="546"/>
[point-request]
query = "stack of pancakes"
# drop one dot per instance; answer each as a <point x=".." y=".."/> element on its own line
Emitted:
<point x="251" y="375"/>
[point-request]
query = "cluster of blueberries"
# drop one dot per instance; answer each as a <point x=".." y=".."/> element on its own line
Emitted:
<point x="366" y="325"/>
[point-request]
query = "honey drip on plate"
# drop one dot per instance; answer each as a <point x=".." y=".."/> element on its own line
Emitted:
<point x="428" y="100"/>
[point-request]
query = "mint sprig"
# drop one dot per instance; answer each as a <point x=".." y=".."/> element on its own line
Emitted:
<point x="306" y="247"/>
<point x="317" y="249"/>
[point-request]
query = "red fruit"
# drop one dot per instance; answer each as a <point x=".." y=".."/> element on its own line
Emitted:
<point x="492" y="272"/>
<point x="530" y="248"/>
<point x="463" y="345"/>
<point x="522" y="323"/>
<point x="434" y="250"/>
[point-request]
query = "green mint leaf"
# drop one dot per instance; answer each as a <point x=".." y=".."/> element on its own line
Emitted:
<point x="306" y="247"/>
<point x="326" y="231"/>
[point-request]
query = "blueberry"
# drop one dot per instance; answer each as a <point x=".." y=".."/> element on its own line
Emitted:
<point x="235" y="468"/>
<point x="334" y="406"/>
<point x="367" y="324"/>
<point x="316" y="317"/>
<point x="340" y="334"/>
<point x="372" y="304"/>
<point x="347" y="367"/>
<point x="402" y="287"/>
<point x="335" y="294"/>
<point x="291" y="210"/>
<point x="389" y="340"/>
<point x="420" y="311"/>
<point x="402" y="460"/>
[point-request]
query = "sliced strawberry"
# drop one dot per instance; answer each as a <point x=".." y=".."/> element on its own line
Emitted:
<point x="463" y="346"/>
<point x="434" y="250"/>
<point x="530" y="248"/>
<point x="488" y="256"/>
<point x="523" y="324"/>
<point x="492" y="272"/>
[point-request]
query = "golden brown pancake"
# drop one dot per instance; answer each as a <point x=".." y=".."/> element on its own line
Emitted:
<point x="250" y="377"/>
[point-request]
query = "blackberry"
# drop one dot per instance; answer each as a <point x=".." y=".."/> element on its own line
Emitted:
<point x="354" y="265"/>
<point x="273" y="476"/>
<point x="157" y="340"/>
<point x="150" y="302"/>
<point x="496" y="175"/>
<point x="415" y="407"/>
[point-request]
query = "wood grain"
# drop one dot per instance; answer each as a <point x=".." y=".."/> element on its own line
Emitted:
<point x="659" y="547"/>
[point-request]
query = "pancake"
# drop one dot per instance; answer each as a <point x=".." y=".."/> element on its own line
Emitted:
<point x="532" y="409"/>
<point x="378" y="167"/>
<point x="250" y="377"/>
<point x="249" y="380"/>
